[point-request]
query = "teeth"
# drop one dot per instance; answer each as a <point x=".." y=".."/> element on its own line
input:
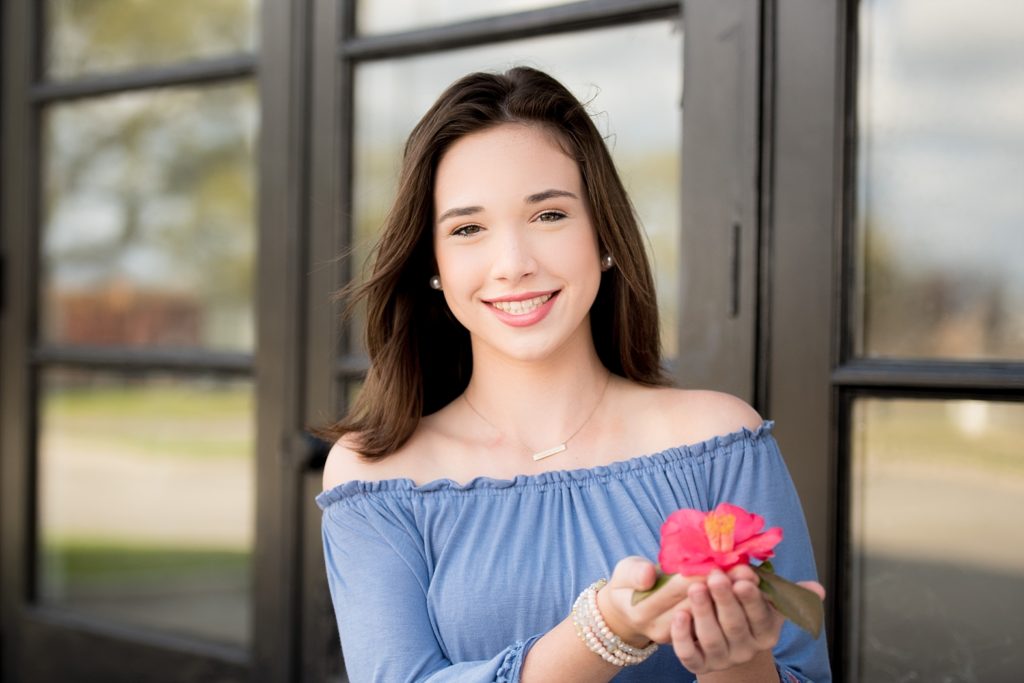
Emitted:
<point x="521" y="307"/>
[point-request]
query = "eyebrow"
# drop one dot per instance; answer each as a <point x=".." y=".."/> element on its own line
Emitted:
<point x="535" y="198"/>
<point x="459" y="211"/>
<point x="549" y="194"/>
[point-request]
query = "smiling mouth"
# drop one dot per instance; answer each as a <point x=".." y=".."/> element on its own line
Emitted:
<point x="522" y="307"/>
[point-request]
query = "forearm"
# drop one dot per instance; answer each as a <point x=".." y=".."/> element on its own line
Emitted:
<point x="560" y="655"/>
<point x="760" y="669"/>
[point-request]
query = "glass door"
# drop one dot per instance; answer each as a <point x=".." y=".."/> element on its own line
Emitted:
<point x="895" y="327"/>
<point x="933" y="450"/>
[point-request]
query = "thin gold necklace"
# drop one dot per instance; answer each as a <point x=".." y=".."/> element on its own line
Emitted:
<point x="540" y="455"/>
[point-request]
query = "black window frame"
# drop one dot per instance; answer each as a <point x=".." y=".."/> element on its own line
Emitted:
<point x="92" y="647"/>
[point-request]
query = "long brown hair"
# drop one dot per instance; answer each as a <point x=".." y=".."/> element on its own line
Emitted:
<point x="420" y="355"/>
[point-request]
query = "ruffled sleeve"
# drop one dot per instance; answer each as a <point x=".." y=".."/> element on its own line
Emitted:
<point x="378" y="578"/>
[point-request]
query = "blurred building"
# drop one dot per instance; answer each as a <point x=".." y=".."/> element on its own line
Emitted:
<point x="125" y="316"/>
<point x="832" y="195"/>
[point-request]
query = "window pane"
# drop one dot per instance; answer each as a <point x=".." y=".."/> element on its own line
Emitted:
<point x="86" y="37"/>
<point x="938" y="567"/>
<point x="642" y="125"/>
<point x="941" y="167"/>
<point x="386" y="16"/>
<point x="146" y="500"/>
<point x="148" y="232"/>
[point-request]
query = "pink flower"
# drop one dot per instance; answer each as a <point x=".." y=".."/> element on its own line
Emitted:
<point x="694" y="542"/>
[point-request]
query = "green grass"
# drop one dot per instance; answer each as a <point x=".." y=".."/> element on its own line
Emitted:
<point x="81" y="561"/>
<point x="161" y="420"/>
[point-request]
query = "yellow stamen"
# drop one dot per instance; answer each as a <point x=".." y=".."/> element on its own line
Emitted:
<point x="719" y="527"/>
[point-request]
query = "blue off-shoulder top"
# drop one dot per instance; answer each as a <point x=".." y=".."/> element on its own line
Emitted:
<point x="450" y="581"/>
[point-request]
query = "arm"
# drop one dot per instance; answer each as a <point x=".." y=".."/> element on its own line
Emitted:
<point x="378" y="582"/>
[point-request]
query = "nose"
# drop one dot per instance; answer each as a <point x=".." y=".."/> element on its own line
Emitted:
<point x="513" y="257"/>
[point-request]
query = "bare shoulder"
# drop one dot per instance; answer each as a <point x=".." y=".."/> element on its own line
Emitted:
<point x="344" y="463"/>
<point x="413" y="460"/>
<point x="687" y="416"/>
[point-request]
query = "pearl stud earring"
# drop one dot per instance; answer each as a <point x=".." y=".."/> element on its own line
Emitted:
<point x="607" y="262"/>
<point x="435" y="282"/>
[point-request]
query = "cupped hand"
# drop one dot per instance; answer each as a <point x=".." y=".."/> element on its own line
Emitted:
<point x="650" y="619"/>
<point x="727" y="621"/>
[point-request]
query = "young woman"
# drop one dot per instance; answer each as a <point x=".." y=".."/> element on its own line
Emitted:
<point x="515" y="439"/>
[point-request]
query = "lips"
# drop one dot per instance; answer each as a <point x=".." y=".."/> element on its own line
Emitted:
<point x="523" y="310"/>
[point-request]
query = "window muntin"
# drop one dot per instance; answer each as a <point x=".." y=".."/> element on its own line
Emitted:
<point x="388" y="16"/>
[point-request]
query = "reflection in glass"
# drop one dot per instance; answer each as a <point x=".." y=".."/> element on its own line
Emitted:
<point x="938" y="567"/>
<point x="641" y="125"/>
<point x="385" y="16"/>
<point x="85" y="37"/>
<point x="941" y="167"/>
<point x="146" y="501"/>
<point x="149" y="232"/>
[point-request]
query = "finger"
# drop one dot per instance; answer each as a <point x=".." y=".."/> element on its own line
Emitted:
<point x="684" y="643"/>
<point x="706" y="628"/>
<point x="661" y="626"/>
<point x="633" y="572"/>
<point x="743" y="572"/>
<point x="634" y="623"/>
<point x="732" y="619"/>
<point x="764" y="622"/>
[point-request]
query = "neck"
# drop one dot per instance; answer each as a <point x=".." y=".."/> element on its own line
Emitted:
<point x="538" y="404"/>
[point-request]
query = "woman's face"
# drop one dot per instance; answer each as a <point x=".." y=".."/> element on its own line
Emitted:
<point x="515" y="246"/>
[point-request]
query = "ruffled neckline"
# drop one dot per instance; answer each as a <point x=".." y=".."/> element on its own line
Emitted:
<point x="541" y="479"/>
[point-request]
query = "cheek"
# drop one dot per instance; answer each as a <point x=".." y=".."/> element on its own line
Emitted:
<point x="581" y="260"/>
<point x="460" y="267"/>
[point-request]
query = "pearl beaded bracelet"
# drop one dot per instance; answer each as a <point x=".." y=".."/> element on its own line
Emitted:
<point x="599" y="639"/>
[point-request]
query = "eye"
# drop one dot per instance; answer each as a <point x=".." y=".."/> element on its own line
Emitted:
<point x="466" y="230"/>
<point x="550" y="216"/>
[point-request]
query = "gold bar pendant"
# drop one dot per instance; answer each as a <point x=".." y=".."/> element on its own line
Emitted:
<point x="551" y="451"/>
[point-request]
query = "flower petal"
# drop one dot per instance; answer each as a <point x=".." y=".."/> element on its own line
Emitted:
<point x="726" y="561"/>
<point x="747" y="523"/>
<point x="684" y="519"/>
<point x="761" y="546"/>
<point x="694" y="540"/>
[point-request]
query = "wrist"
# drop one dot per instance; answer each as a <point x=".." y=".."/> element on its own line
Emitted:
<point x="761" y="668"/>
<point x="615" y="622"/>
<point x="599" y="638"/>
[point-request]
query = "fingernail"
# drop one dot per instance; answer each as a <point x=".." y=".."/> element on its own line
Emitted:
<point x="699" y="597"/>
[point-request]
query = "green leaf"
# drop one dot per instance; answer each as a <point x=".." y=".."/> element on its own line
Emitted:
<point x="798" y="604"/>
<point x="658" y="583"/>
